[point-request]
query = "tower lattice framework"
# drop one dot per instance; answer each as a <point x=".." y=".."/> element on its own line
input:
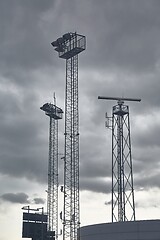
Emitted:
<point x="54" y="114"/>
<point x="68" y="47"/>
<point x="123" y="205"/>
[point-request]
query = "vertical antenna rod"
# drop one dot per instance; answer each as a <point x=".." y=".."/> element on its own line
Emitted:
<point x="54" y="113"/>
<point x="68" y="47"/>
<point x="123" y="206"/>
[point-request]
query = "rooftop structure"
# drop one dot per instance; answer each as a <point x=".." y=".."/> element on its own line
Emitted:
<point x="35" y="224"/>
<point x="133" y="230"/>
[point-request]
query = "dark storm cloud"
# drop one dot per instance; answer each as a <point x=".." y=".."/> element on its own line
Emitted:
<point x="21" y="198"/>
<point x="120" y="33"/>
<point x="95" y="158"/>
<point x="21" y="145"/>
<point x="15" y="198"/>
<point x="25" y="40"/>
<point x="123" y="47"/>
<point x="38" y="200"/>
<point x="25" y="47"/>
<point x="122" y="59"/>
<point x="147" y="133"/>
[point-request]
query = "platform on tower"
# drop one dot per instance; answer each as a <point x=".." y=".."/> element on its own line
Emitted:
<point x="52" y="110"/>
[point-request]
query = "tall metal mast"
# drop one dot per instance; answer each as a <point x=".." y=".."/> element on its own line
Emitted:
<point x="54" y="113"/>
<point x="123" y="206"/>
<point x="68" y="47"/>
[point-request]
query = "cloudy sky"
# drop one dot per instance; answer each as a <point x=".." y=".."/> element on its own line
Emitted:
<point x="122" y="59"/>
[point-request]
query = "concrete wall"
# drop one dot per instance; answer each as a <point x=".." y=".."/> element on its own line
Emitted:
<point x="136" y="230"/>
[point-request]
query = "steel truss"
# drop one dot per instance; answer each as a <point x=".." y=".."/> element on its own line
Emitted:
<point x="123" y="207"/>
<point x="71" y="160"/>
<point x="69" y="46"/>
<point x="54" y="114"/>
<point x="52" y="204"/>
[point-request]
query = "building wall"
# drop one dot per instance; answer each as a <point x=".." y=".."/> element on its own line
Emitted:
<point x="135" y="230"/>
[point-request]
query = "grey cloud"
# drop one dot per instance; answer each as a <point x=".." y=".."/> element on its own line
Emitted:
<point x="95" y="185"/>
<point x="39" y="200"/>
<point x="148" y="135"/>
<point x="147" y="180"/>
<point x="21" y="198"/>
<point x="95" y="161"/>
<point x="15" y="198"/>
<point x="19" y="156"/>
<point x="122" y="59"/>
<point x="24" y="44"/>
<point x="108" y="202"/>
<point x="121" y="36"/>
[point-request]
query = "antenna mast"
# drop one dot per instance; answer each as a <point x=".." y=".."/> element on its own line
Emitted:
<point x="55" y="113"/>
<point x="123" y="205"/>
<point x="68" y="47"/>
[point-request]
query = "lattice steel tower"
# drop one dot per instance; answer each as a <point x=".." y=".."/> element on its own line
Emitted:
<point x="55" y="113"/>
<point x="123" y="206"/>
<point x="68" y="47"/>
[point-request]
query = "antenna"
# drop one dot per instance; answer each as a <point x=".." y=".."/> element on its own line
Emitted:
<point x="123" y="206"/>
<point x="54" y="98"/>
<point x="120" y="99"/>
<point x="68" y="47"/>
<point x="55" y="113"/>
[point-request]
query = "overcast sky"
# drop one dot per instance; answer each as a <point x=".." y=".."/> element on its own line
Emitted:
<point x="122" y="59"/>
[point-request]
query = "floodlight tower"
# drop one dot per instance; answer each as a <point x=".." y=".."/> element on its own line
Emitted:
<point x="123" y="206"/>
<point x="68" y="47"/>
<point x="55" y="113"/>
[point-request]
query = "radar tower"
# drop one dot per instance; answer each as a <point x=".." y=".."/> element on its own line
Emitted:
<point x="123" y="205"/>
